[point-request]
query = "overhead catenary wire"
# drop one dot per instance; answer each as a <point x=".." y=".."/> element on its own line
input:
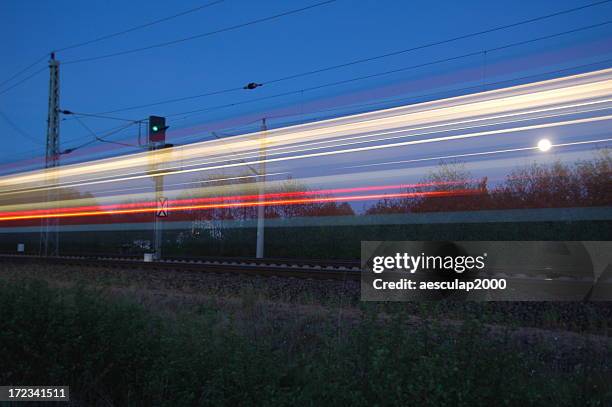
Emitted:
<point x="107" y="36"/>
<point x="99" y="116"/>
<point x="27" y="68"/>
<point x="237" y="26"/>
<point x="3" y="91"/>
<point x="19" y="130"/>
<point x="101" y="138"/>
<point x="289" y="77"/>
<point x="98" y="138"/>
<point x="419" y="98"/>
<point x="103" y="134"/>
<point x="180" y="99"/>
<point x="189" y="113"/>
<point x="206" y="34"/>
<point x="379" y="74"/>
<point x="436" y="43"/>
<point x="358" y="61"/>
<point x="115" y="130"/>
<point x="363" y="60"/>
<point x="138" y="27"/>
<point x="440" y="93"/>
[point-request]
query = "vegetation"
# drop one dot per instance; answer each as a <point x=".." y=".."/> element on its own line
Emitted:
<point x="114" y="352"/>
<point x="555" y="185"/>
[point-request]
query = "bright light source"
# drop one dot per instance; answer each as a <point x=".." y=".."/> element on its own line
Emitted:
<point x="544" y="144"/>
<point x="154" y="128"/>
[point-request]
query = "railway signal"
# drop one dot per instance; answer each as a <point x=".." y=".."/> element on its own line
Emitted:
<point x="157" y="140"/>
<point x="157" y="129"/>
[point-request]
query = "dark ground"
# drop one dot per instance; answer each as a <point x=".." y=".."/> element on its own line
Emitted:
<point x="173" y="338"/>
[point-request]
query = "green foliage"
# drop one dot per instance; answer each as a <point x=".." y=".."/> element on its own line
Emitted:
<point x="115" y="351"/>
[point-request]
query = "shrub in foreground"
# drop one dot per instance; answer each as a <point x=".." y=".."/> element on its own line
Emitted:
<point x="110" y="350"/>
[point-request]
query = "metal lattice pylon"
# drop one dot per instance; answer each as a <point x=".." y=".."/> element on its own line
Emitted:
<point x="49" y="236"/>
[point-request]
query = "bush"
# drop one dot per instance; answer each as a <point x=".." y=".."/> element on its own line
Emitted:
<point x="112" y="351"/>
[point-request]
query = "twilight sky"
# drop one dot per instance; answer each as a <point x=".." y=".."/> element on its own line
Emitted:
<point x="322" y="36"/>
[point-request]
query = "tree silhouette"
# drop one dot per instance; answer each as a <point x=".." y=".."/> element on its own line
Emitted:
<point x="237" y="198"/>
<point x="595" y="177"/>
<point x="450" y="187"/>
<point x="538" y="185"/>
<point x="556" y="185"/>
<point x="313" y="208"/>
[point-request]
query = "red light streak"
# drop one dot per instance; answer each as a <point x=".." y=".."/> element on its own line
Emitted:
<point x="81" y="212"/>
<point x="194" y="201"/>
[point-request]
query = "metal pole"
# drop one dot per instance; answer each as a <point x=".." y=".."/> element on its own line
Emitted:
<point x="49" y="239"/>
<point x="159" y="194"/>
<point x="262" y="189"/>
<point x="156" y="140"/>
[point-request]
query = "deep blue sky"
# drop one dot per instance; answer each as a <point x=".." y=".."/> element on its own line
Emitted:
<point x="327" y="35"/>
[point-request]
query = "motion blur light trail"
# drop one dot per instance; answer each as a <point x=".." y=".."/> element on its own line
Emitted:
<point x="109" y="209"/>
<point x="488" y="153"/>
<point x="168" y="172"/>
<point x="579" y="90"/>
<point x="337" y="160"/>
<point x="66" y="213"/>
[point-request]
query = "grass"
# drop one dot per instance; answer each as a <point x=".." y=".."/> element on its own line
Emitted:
<point x="114" y="352"/>
<point x="581" y="317"/>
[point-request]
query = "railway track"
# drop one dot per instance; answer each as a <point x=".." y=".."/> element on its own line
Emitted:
<point x="297" y="268"/>
<point x="306" y="268"/>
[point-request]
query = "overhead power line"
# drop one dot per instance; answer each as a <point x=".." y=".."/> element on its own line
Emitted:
<point x="112" y="35"/>
<point x="101" y="138"/>
<point x="103" y="134"/>
<point x="19" y="130"/>
<point x="428" y="96"/>
<point x="98" y="138"/>
<point x="98" y="116"/>
<point x="294" y="76"/>
<point x="180" y="99"/>
<point x="206" y="34"/>
<point x="27" y="68"/>
<point x="363" y="60"/>
<point x="358" y="61"/>
<point x="107" y="133"/>
<point x="441" y="42"/>
<point x="378" y="74"/>
<point x="23" y="80"/>
<point x="138" y="27"/>
<point x="487" y="85"/>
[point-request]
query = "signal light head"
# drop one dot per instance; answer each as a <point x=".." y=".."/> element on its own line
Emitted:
<point x="157" y="129"/>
